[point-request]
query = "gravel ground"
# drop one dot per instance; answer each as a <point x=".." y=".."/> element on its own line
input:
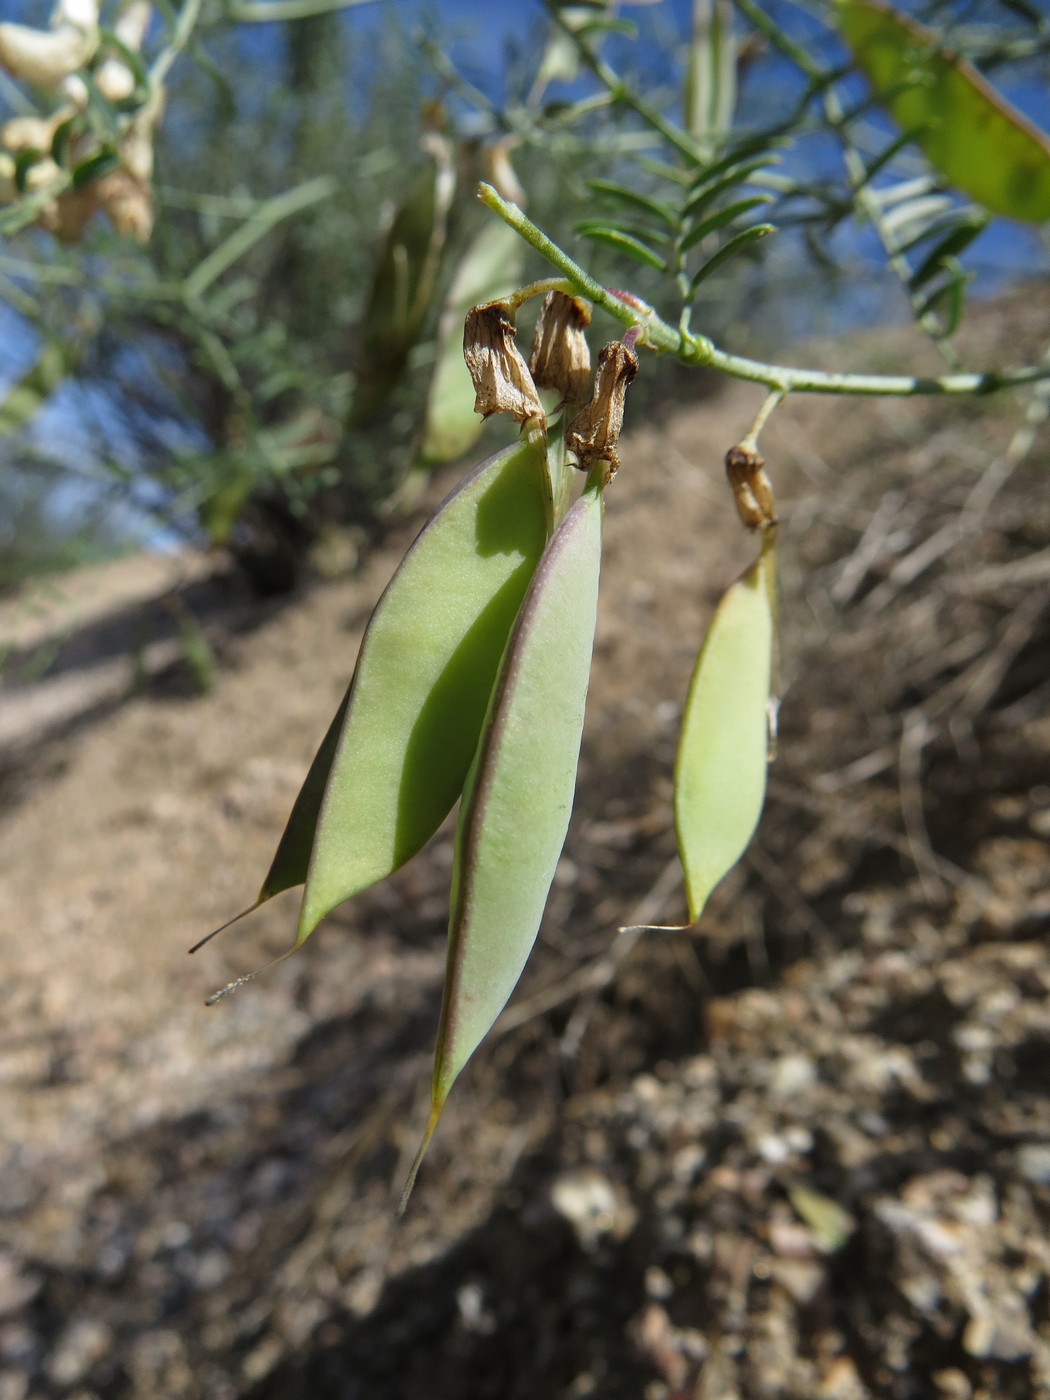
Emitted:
<point x="801" y="1152"/>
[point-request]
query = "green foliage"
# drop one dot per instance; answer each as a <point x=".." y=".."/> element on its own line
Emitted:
<point x="38" y="534"/>
<point x="304" y="318"/>
<point x="967" y="130"/>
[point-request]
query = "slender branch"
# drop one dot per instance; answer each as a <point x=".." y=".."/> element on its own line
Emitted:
<point x="773" y="400"/>
<point x="861" y="193"/>
<point x="658" y="334"/>
<point x="266" y="215"/>
<point x="620" y="92"/>
<point x="699" y="350"/>
<point x="799" y="56"/>
<point x="864" y="198"/>
<point x="268" y="11"/>
<point x="538" y="289"/>
<point x="183" y="32"/>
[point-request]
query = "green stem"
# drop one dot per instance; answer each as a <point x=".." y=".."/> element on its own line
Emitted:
<point x="658" y="334"/>
<point x="266" y="216"/>
<point x="268" y="11"/>
<point x="699" y="350"/>
<point x="620" y="92"/>
<point x="183" y="32"/>
<point x="538" y="289"/>
<point x="861" y="193"/>
<point x="787" y="46"/>
<point x="772" y="401"/>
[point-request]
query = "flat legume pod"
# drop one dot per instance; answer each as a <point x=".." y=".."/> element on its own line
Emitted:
<point x="426" y="668"/>
<point x="292" y="858"/>
<point x="518" y="797"/>
<point x="720" y="771"/>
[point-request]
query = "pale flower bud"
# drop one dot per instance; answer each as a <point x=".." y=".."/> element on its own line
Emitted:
<point x="502" y="382"/>
<point x="561" y="359"/>
<point x="113" y="77"/>
<point x="128" y="203"/>
<point x="81" y="14"/>
<point x="44" y="57"/>
<point x="133" y="22"/>
<point x="30" y="133"/>
<point x="595" y="431"/>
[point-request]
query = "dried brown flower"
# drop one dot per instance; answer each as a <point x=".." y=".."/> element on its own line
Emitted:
<point x="502" y="382"/>
<point x="561" y="359"/>
<point x="752" y="492"/>
<point x="595" y="431"/>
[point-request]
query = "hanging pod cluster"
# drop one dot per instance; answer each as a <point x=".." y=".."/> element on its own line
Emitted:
<point x="472" y="677"/>
<point x="471" y="682"/>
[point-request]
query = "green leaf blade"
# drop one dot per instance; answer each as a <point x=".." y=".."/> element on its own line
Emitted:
<point x="634" y="200"/>
<point x="717" y="221"/>
<point x="623" y="242"/>
<point x="707" y="189"/>
<point x="744" y="239"/>
<point x="94" y="167"/>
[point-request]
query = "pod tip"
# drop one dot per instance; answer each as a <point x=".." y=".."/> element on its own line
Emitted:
<point x="655" y="928"/>
<point x="224" y="992"/>
<point x="228" y="924"/>
<point x="417" y="1161"/>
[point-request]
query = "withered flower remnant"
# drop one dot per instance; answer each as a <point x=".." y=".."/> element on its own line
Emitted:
<point x="752" y="493"/>
<point x="594" y="432"/>
<point x="560" y="358"/>
<point x="502" y="382"/>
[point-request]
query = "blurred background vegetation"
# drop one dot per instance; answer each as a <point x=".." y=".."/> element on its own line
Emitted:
<point x="243" y="357"/>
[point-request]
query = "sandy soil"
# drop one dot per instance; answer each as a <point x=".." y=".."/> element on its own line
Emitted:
<point x="801" y="1152"/>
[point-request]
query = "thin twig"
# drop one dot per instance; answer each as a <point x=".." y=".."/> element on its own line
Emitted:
<point x="183" y="33"/>
<point x="699" y="350"/>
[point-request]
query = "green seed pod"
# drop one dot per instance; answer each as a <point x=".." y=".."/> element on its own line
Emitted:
<point x="720" y="771"/>
<point x="518" y="797"/>
<point x="965" y="128"/>
<point x="426" y="668"/>
<point x="404" y="282"/>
